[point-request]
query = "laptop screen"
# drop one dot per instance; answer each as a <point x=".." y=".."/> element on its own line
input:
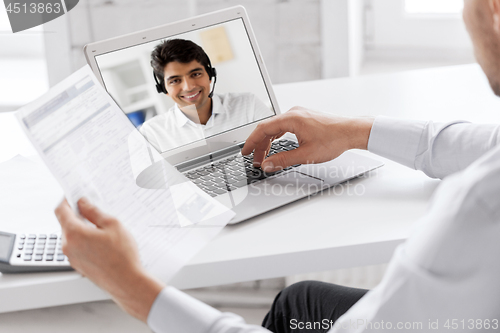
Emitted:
<point x="211" y="77"/>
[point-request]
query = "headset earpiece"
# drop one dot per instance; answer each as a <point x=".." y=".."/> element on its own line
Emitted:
<point x="213" y="74"/>
<point x="160" y="87"/>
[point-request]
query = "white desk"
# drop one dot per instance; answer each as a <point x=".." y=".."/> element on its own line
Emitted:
<point x="325" y="232"/>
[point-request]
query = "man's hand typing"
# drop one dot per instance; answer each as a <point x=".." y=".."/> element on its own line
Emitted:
<point x="321" y="138"/>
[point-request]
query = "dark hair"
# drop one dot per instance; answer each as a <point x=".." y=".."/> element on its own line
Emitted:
<point x="180" y="50"/>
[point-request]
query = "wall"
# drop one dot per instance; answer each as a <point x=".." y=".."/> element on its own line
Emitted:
<point x="288" y="31"/>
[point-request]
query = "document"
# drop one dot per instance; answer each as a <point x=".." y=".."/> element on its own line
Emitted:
<point x="93" y="150"/>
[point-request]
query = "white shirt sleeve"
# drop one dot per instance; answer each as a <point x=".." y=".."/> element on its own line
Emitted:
<point x="174" y="311"/>
<point x="436" y="149"/>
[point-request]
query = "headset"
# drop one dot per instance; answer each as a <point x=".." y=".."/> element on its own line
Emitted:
<point x="211" y="71"/>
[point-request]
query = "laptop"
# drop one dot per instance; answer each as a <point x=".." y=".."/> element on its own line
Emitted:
<point x="208" y="152"/>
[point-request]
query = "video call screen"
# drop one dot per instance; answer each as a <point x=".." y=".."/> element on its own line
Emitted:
<point x="170" y="121"/>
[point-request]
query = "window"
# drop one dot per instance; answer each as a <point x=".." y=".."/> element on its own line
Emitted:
<point x="434" y="6"/>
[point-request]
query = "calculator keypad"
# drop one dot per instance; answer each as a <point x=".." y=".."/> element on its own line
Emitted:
<point x="41" y="248"/>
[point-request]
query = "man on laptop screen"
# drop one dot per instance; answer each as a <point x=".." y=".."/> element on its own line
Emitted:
<point x="184" y="72"/>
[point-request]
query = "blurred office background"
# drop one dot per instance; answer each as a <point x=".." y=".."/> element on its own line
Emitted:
<point x="300" y="40"/>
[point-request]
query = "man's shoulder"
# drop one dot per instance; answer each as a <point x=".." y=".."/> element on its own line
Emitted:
<point x="158" y="120"/>
<point x="480" y="183"/>
<point x="236" y="98"/>
<point x="486" y="170"/>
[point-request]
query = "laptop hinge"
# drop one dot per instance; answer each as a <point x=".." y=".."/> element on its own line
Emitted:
<point x="209" y="158"/>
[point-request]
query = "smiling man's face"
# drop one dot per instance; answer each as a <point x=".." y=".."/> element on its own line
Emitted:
<point x="188" y="84"/>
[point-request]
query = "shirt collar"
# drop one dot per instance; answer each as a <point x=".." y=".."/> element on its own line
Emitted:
<point x="180" y="118"/>
<point x="217" y="106"/>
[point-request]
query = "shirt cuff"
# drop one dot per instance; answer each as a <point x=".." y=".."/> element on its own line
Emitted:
<point x="175" y="311"/>
<point x="396" y="139"/>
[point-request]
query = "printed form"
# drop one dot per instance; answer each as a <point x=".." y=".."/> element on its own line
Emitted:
<point x="93" y="150"/>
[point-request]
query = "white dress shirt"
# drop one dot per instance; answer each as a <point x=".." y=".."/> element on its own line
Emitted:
<point x="448" y="270"/>
<point x="174" y="129"/>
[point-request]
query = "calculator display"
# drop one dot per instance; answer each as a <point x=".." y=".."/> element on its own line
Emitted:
<point x="5" y="247"/>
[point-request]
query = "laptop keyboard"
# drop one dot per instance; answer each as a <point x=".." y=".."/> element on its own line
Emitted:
<point x="234" y="172"/>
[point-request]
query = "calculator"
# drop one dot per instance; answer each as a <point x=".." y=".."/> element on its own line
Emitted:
<point x="23" y="253"/>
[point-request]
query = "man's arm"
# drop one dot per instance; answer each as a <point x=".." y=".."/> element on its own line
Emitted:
<point x="436" y="149"/>
<point x="107" y="254"/>
<point x="321" y="138"/>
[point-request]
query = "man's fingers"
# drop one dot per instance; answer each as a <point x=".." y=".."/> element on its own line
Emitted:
<point x="258" y="157"/>
<point x="283" y="160"/>
<point x="93" y="214"/>
<point x="67" y="218"/>
<point x="261" y="152"/>
<point x="263" y="148"/>
<point x="265" y="130"/>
